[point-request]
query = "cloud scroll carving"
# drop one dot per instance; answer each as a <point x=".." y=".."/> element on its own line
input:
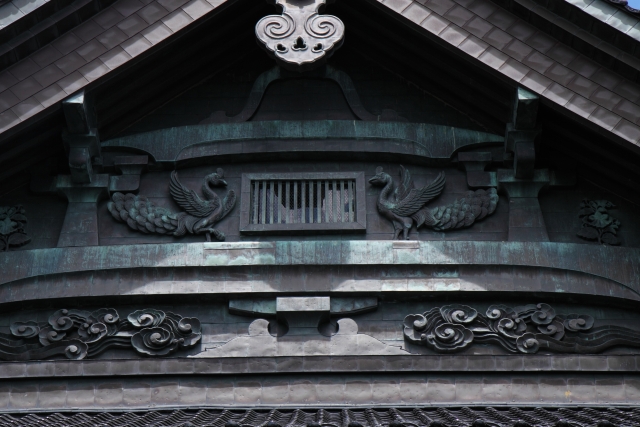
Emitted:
<point x="525" y="329"/>
<point x="78" y="334"/>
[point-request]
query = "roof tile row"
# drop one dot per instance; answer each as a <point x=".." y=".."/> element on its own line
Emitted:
<point x="532" y="58"/>
<point x="16" y="9"/>
<point x="111" y="38"/>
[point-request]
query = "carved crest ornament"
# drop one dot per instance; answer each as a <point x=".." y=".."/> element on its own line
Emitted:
<point x="12" y="224"/>
<point x="199" y="217"/>
<point x="77" y="334"/>
<point x="300" y="38"/>
<point x="597" y="224"/>
<point x="405" y="204"/>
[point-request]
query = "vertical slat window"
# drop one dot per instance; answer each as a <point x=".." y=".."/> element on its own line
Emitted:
<point x="302" y="201"/>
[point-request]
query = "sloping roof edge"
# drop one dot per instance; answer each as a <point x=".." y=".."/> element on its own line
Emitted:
<point x="481" y="31"/>
<point x="520" y="52"/>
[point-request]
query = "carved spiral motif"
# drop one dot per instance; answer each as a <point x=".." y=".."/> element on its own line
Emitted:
<point x="527" y="343"/>
<point x="522" y="329"/>
<point x="106" y="315"/>
<point x="449" y="337"/>
<point x="92" y="332"/>
<point x="77" y="333"/>
<point x="146" y="318"/>
<point x="276" y="26"/>
<point x="300" y="38"/>
<point x="157" y="341"/>
<point x="419" y="322"/>
<point x="187" y="329"/>
<point x="555" y="330"/>
<point x="49" y="336"/>
<point x="61" y="321"/>
<point x="544" y="315"/>
<point x="495" y="312"/>
<point x="184" y="325"/>
<point x="456" y="313"/>
<point x="25" y="329"/>
<point x="414" y="325"/>
<point x="511" y="327"/>
<point x="578" y="322"/>
<point x="323" y="26"/>
<point x="76" y="350"/>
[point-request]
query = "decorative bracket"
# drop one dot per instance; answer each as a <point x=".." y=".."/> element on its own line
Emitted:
<point x="303" y="312"/>
<point x="81" y="137"/>
<point x="300" y="39"/>
<point x="131" y="168"/>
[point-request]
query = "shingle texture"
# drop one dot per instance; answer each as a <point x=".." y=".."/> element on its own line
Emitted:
<point x="16" y="9"/>
<point x="347" y="417"/>
<point x="110" y="39"/>
<point x="532" y="58"/>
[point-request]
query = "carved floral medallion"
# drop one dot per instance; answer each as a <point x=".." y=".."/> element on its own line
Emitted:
<point x="12" y="224"/>
<point x="597" y="224"/>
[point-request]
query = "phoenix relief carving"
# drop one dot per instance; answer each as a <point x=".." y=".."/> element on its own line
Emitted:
<point x="199" y="216"/>
<point x="405" y="205"/>
<point x="300" y="38"/>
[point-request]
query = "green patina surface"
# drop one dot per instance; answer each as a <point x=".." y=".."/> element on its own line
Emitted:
<point x="618" y="264"/>
<point x="425" y="140"/>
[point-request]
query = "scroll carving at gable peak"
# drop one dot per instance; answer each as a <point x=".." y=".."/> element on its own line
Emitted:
<point x="300" y="38"/>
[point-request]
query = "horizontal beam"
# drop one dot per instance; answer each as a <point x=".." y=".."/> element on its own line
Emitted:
<point x="592" y="260"/>
<point x="414" y="139"/>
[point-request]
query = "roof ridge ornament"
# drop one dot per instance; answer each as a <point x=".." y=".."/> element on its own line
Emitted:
<point x="300" y="39"/>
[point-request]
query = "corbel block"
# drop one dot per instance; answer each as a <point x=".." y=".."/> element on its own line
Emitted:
<point x="474" y="163"/>
<point x="131" y="168"/>
<point x="81" y="137"/>
<point x="524" y="160"/>
<point x="80" y="227"/>
<point x="79" y="114"/>
<point x="303" y="312"/>
<point x="525" y="109"/>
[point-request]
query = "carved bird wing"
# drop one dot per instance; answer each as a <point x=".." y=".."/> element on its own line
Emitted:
<point x="418" y="197"/>
<point x="405" y="186"/>
<point x="189" y="200"/>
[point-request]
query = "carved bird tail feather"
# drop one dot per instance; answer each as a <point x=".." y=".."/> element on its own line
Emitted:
<point x="142" y="215"/>
<point x="462" y="213"/>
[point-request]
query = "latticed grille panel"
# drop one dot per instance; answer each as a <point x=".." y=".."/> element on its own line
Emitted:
<point x="303" y="201"/>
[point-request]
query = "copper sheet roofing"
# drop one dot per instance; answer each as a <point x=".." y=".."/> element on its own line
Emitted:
<point x="482" y="30"/>
<point x="355" y="417"/>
